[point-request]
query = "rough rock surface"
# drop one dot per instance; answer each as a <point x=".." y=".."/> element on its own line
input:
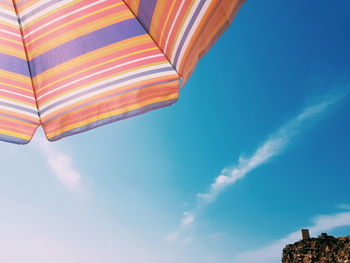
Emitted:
<point x="324" y="249"/>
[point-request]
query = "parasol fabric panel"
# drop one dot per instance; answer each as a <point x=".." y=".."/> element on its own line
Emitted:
<point x="92" y="63"/>
<point x="18" y="112"/>
<point x="185" y="29"/>
<point x="73" y="65"/>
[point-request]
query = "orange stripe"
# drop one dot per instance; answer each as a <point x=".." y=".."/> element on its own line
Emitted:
<point x="19" y="115"/>
<point x="78" y="119"/>
<point x="105" y="94"/>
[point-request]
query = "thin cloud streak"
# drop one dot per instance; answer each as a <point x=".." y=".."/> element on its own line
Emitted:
<point x="275" y="145"/>
<point x="272" y="147"/>
<point x="272" y="252"/>
<point x="61" y="165"/>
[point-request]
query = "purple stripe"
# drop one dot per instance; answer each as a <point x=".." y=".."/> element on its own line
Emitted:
<point x="18" y="107"/>
<point x="188" y="29"/>
<point x="145" y="13"/>
<point x="16" y="118"/>
<point x="85" y="44"/>
<point x="37" y="10"/>
<point x="108" y="85"/>
<point x="14" y="64"/>
<point x="101" y="100"/>
<point x="6" y="138"/>
<point x="13" y="18"/>
<point x="119" y="117"/>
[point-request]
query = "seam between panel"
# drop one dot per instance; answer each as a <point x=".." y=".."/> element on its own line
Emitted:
<point x="180" y="77"/>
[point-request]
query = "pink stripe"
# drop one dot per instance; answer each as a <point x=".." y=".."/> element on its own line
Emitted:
<point x="9" y="28"/>
<point x="57" y="12"/>
<point x="107" y="105"/>
<point x="46" y="81"/>
<point x="22" y="129"/>
<point x="11" y="44"/>
<point x="21" y="116"/>
<point x="7" y="3"/>
<point x="103" y="67"/>
<point x="12" y="37"/>
<point x="17" y="97"/>
<point x="100" y="77"/>
<point x="56" y="35"/>
<point x="64" y="11"/>
<point x="27" y="86"/>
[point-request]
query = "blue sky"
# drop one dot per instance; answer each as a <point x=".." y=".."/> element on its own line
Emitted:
<point x="134" y="191"/>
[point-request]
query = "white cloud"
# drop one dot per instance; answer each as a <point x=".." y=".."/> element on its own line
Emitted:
<point x="187" y="219"/>
<point x="272" y="147"/>
<point x="273" y="252"/>
<point x="275" y="145"/>
<point x="172" y="237"/>
<point x="61" y="165"/>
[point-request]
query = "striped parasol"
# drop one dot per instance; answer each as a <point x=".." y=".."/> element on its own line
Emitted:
<point x="73" y="65"/>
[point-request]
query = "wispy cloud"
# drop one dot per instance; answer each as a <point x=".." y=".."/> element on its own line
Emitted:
<point x="272" y="147"/>
<point x="272" y="253"/>
<point x="61" y="165"/>
<point x="275" y="145"/>
<point x="187" y="219"/>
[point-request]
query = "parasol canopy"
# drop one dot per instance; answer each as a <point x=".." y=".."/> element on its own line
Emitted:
<point x="73" y="65"/>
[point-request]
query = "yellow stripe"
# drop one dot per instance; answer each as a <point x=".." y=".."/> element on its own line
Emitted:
<point x="12" y="52"/>
<point x="9" y="25"/>
<point x="179" y="29"/>
<point x="37" y="50"/>
<point x="10" y="8"/>
<point x="25" y="118"/>
<point x="25" y="4"/>
<point x="15" y="134"/>
<point x="166" y="21"/>
<point x="104" y="96"/>
<point x="17" y="77"/>
<point x="13" y="86"/>
<point x="98" y="65"/>
<point x="19" y="101"/>
<point x="157" y="15"/>
<point x="11" y="40"/>
<point x="71" y="22"/>
<point x="20" y="122"/>
<point x="133" y="5"/>
<point x="101" y="79"/>
<point x="113" y="113"/>
<point x="48" y="13"/>
<point x="76" y="62"/>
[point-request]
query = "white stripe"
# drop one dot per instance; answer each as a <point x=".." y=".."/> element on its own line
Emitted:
<point x="9" y="21"/>
<point x="155" y="75"/>
<point x="62" y="17"/>
<point x="15" y="93"/>
<point x="106" y="81"/>
<point x="41" y="3"/>
<point x="8" y="12"/>
<point x="3" y="107"/>
<point x="29" y="107"/>
<point x="173" y="24"/>
<point x="193" y="30"/>
<point x="183" y="29"/>
<point x="10" y="33"/>
<point x="99" y="72"/>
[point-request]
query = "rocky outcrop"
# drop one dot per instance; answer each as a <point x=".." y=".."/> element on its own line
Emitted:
<point x="324" y="249"/>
